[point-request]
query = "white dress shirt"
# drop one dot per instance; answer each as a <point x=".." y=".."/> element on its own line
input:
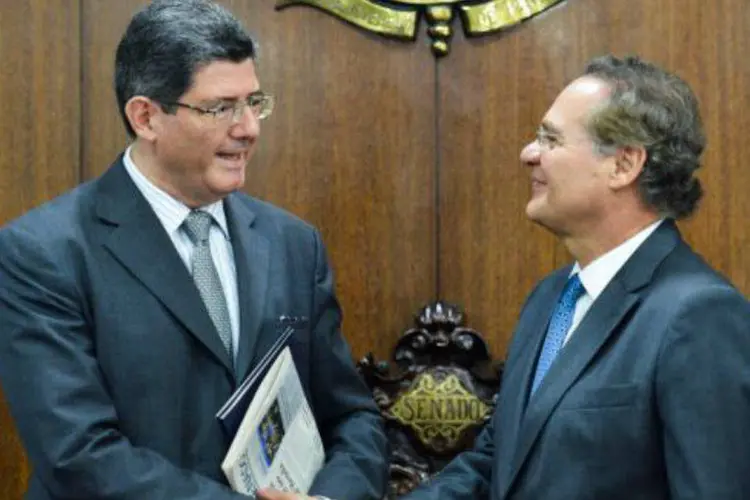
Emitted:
<point x="596" y="276"/>
<point x="172" y="213"/>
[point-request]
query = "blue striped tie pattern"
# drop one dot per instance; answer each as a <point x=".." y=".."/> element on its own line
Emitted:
<point x="558" y="328"/>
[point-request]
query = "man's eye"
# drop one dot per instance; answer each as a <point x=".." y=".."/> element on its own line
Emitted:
<point x="221" y="109"/>
<point x="255" y="100"/>
<point x="546" y="139"/>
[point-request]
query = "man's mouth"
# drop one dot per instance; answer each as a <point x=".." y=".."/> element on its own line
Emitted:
<point x="232" y="156"/>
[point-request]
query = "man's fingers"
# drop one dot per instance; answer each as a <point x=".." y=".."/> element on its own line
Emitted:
<point x="271" y="494"/>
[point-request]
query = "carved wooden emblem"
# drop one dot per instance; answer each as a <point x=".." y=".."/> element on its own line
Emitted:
<point x="439" y="410"/>
<point x="435" y="394"/>
<point x="399" y="18"/>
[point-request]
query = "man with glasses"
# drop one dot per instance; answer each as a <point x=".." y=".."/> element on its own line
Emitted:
<point x="628" y="376"/>
<point x="133" y="306"/>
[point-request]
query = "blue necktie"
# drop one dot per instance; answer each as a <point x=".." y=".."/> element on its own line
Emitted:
<point x="558" y="328"/>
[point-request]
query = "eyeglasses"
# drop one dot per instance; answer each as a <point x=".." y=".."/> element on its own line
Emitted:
<point x="546" y="139"/>
<point x="260" y="104"/>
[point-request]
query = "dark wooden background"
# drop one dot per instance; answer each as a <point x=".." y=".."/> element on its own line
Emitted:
<point x="407" y="164"/>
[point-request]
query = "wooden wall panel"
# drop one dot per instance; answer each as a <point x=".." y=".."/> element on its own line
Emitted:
<point x="39" y="102"/>
<point x="39" y="140"/>
<point x="494" y="90"/>
<point x="350" y="148"/>
<point x="103" y="134"/>
<point x="375" y="143"/>
<point x="710" y="47"/>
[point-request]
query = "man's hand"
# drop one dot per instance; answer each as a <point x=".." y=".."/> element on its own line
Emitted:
<point x="270" y="494"/>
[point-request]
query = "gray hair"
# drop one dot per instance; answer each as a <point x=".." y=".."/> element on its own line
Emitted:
<point x="657" y="110"/>
<point x="168" y="41"/>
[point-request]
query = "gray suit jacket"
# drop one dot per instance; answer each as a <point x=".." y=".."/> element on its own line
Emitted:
<point x="114" y="371"/>
<point x="649" y="399"/>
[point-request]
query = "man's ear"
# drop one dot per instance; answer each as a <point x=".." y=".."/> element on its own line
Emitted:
<point x="142" y="114"/>
<point x="629" y="162"/>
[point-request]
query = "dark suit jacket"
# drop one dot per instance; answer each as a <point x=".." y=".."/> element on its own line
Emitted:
<point x="649" y="399"/>
<point x="114" y="371"/>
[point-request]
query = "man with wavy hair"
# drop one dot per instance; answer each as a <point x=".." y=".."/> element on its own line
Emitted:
<point x="628" y="376"/>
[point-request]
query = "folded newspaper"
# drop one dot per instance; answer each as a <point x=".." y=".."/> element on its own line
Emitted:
<point x="277" y="444"/>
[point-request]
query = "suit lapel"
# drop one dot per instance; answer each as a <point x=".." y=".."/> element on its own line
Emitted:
<point x="598" y="325"/>
<point x="531" y="333"/>
<point x="251" y="256"/>
<point x="138" y="241"/>
<point x="620" y="296"/>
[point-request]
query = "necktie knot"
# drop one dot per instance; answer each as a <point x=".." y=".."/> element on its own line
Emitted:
<point x="572" y="292"/>
<point x="197" y="226"/>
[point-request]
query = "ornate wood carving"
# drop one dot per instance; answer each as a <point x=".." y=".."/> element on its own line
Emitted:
<point x="435" y="394"/>
<point x="399" y="18"/>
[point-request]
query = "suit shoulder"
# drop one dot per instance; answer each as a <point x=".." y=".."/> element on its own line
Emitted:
<point x="545" y="285"/>
<point x="270" y="214"/>
<point x="58" y="218"/>
<point x="685" y="273"/>
<point x="687" y="289"/>
<point x="553" y="278"/>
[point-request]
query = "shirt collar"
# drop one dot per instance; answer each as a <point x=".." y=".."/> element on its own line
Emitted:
<point x="170" y="211"/>
<point x="597" y="275"/>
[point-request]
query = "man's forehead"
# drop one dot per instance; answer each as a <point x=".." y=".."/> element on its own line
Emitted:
<point x="225" y="77"/>
<point x="589" y="86"/>
<point x="576" y="101"/>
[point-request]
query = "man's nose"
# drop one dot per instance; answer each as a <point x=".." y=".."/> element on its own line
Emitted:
<point x="530" y="154"/>
<point x="247" y="126"/>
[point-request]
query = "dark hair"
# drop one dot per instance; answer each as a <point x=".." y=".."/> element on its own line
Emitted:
<point x="653" y="108"/>
<point x="168" y="41"/>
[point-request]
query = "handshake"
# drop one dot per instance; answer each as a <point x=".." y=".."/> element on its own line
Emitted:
<point x="271" y="494"/>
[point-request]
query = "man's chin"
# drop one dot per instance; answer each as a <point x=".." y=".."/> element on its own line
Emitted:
<point x="535" y="210"/>
<point x="228" y="189"/>
<point x="228" y="180"/>
<point x="539" y="215"/>
<point x="219" y="191"/>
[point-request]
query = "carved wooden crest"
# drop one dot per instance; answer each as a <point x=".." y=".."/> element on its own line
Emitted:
<point x="439" y="410"/>
<point x="399" y="18"/>
<point x="436" y="393"/>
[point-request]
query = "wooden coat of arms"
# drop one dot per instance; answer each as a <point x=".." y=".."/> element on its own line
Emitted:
<point x="399" y="18"/>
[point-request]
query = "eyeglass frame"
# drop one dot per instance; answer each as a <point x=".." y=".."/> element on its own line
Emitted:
<point x="266" y="103"/>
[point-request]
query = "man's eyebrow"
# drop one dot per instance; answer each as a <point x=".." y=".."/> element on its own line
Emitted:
<point x="230" y="98"/>
<point x="549" y="128"/>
